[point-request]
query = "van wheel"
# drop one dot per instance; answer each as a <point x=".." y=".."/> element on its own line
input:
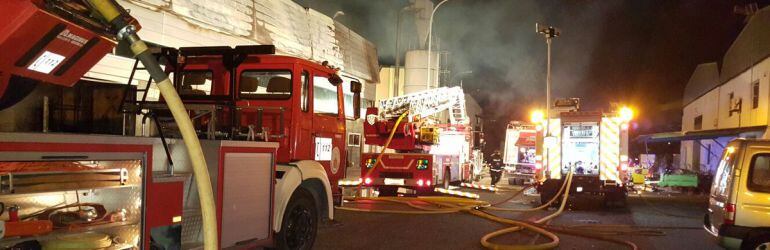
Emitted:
<point x="300" y="222"/>
<point x="757" y="241"/>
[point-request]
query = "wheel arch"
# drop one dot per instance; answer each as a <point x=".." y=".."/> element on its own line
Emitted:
<point x="316" y="188"/>
<point x="308" y="175"/>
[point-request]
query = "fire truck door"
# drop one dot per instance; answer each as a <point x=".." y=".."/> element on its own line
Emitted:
<point x="328" y="127"/>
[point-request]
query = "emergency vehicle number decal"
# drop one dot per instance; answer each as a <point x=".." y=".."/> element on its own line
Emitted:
<point x="46" y="62"/>
<point x="323" y="149"/>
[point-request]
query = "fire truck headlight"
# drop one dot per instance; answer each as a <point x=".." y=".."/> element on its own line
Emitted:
<point x="368" y="181"/>
<point x="420" y="182"/>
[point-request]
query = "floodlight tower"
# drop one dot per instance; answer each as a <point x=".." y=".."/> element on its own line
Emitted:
<point x="549" y="32"/>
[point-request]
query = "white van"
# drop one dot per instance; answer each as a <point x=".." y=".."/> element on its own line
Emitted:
<point x="739" y="203"/>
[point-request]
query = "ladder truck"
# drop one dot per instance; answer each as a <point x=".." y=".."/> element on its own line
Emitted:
<point x="272" y="132"/>
<point x="592" y="144"/>
<point x="427" y="152"/>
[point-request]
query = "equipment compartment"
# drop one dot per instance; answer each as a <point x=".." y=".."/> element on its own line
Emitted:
<point x="94" y="202"/>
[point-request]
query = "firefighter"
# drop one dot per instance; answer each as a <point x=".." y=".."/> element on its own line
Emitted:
<point x="496" y="167"/>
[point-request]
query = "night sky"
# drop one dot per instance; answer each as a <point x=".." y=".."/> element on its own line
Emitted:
<point x="639" y="53"/>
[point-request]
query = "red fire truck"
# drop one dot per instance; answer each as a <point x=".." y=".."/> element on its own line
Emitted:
<point x="413" y="166"/>
<point x="274" y="130"/>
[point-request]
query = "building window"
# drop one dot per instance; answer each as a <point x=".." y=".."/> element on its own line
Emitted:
<point x="730" y="97"/>
<point x="354" y="140"/>
<point x="698" y="123"/>
<point x="755" y="95"/>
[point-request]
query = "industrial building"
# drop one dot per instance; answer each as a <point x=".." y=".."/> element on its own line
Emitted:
<point x="725" y="100"/>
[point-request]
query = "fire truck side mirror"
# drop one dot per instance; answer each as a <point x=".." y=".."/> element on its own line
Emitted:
<point x="335" y="79"/>
<point x="356" y="87"/>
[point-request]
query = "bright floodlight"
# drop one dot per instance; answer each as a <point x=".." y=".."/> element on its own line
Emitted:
<point x="626" y="113"/>
<point x="537" y="117"/>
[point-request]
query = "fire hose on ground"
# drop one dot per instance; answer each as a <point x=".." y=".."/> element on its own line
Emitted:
<point x="442" y="205"/>
<point x="113" y="15"/>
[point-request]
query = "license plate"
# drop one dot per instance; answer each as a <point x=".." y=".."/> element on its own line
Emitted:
<point x="391" y="181"/>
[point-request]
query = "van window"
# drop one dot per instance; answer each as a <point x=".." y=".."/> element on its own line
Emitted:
<point x="759" y="173"/>
<point x="722" y="180"/>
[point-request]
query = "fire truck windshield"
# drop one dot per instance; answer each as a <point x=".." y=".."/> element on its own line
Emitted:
<point x="265" y="84"/>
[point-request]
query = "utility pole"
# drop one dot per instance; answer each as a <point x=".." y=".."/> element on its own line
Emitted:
<point x="430" y="40"/>
<point x="397" y="76"/>
<point x="549" y="32"/>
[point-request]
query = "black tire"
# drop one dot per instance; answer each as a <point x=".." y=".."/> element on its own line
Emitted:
<point x="759" y="240"/>
<point x="388" y="190"/>
<point x="549" y="190"/>
<point x="300" y="222"/>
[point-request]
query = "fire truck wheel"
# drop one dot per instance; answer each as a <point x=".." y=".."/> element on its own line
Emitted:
<point x="300" y="222"/>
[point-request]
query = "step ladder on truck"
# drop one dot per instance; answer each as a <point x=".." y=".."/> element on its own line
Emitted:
<point x="427" y="152"/>
<point x="271" y="132"/>
<point x="592" y="144"/>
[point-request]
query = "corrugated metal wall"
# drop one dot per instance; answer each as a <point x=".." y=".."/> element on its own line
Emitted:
<point x="290" y="27"/>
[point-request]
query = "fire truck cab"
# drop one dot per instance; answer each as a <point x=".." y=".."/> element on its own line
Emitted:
<point x="248" y="93"/>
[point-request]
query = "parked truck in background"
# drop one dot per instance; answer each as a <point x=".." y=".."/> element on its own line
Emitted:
<point x="519" y="153"/>
<point x="427" y="151"/>
<point x="593" y="144"/>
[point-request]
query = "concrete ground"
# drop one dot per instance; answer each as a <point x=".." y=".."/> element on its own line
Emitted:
<point x="677" y="217"/>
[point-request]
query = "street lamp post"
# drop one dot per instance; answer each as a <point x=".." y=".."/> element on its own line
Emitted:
<point x="398" y="48"/>
<point x="430" y="40"/>
<point x="549" y="32"/>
